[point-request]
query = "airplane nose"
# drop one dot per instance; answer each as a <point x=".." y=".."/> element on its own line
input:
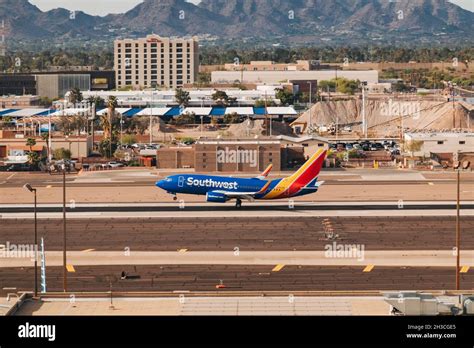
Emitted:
<point x="161" y="184"/>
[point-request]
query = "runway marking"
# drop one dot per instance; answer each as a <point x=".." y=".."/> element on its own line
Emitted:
<point x="70" y="268"/>
<point x="88" y="250"/>
<point x="368" y="268"/>
<point x="431" y="184"/>
<point x="464" y="269"/>
<point x="11" y="176"/>
<point x="278" y="268"/>
<point x="182" y="250"/>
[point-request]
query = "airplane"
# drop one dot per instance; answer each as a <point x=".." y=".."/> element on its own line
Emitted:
<point x="221" y="189"/>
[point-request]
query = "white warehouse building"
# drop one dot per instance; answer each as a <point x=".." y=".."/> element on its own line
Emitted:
<point x="442" y="142"/>
<point x="369" y="76"/>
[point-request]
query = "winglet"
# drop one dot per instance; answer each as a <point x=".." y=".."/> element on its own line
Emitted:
<point x="265" y="172"/>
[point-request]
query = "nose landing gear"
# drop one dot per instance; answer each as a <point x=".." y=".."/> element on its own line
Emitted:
<point x="175" y="197"/>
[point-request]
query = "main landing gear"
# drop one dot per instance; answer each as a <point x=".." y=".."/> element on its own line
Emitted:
<point x="238" y="203"/>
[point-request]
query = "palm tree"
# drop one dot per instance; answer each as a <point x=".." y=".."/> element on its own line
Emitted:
<point x="111" y="106"/>
<point x="45" y="137"/>
<point x="30" y="142"/>
<point x="33" y="157"/>
<point x="75" y="95"/>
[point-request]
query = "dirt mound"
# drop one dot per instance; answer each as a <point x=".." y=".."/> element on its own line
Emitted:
<point x="384" y="115"/>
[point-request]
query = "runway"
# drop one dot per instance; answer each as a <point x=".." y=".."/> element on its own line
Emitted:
<point x="197" y="248"/>
<point x="246" y="233"/>
<point x="222" y="278"/>
<point x="352" y="257"/>
<point x="261" y="206"/>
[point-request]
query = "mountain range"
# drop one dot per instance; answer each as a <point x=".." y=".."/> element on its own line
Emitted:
<point x="286" y="22"/>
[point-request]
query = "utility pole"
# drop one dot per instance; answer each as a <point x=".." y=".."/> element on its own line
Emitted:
<point x="50" y="154"/>
<point x="151" y="119"/>
<point x="364" y="120"/>
<point x="310" y="106"/>
<point x="458" y="228"/>
<point x="92" y="123"/>
<point x="64" y="231"/>
<point x="266" y="116"/>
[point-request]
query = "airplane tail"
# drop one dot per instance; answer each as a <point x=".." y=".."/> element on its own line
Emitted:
<point x="305" y="176"/>
<point x="310" y="170"/>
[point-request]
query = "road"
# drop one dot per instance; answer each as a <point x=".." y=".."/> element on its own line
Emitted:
<point x="137" y="186"/>
<point x="238" y="278"/>
<point x="246" y="233"/>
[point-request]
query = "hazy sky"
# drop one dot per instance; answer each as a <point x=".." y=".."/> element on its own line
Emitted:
<point x="103" y="7"/>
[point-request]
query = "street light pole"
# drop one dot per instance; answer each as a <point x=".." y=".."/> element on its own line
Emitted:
<point x="310" y="105"/>
<point x="64" y="231"/>
<point x="33" y="190"/>
<point x="458" y="228"/>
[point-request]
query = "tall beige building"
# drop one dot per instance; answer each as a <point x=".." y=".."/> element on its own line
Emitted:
<point x="156" y="61"/>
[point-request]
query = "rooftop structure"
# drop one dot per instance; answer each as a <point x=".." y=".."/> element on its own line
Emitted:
<point x="199" y="97"/>
<point x="369" y="76"/>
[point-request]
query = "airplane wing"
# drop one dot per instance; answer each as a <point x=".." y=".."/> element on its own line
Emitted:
<point x="250" y="196"/>
<point x="241" y="195"/>
<point x="265" y="173"/>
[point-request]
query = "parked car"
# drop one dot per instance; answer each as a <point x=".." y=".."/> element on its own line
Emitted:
<point x="395" y="152"/>
<point x="114" y="164"/>
<point x="379" y="146"/>
<point x="19" y="167"/>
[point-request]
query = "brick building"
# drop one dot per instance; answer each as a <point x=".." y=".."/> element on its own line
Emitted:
<point x="237" y="155"/>
<point x="241" y="155"/>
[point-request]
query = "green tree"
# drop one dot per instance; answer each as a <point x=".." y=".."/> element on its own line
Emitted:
<point x="65" y="125"/>
<point x="97" y="101"/>
<point x="187" y="118"/>
<point x="33" y="158"/>
<point x="140" y="124"/>
<point x="220" y="97"/>
<point x="413" y="146"/>
<point x="347" y="86"/>
<point x="182" y="97"/>
<point x="30" y="142"/>
<point x="62" y="153"/>
<point x="75" y="95"/>
<point x="107" y="119"/>
<point x="286" y="97"/>
<point x="107" y="148"/>
<point x="325" y="84"/>
<point x="129" y="139"/>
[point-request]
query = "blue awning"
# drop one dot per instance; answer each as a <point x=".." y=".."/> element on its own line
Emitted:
<point x="174" y="112"/>
<point x="217" y="111"/>
<point x="132" y="112"/>
<point x="7" y="111"/>
<point x="46" y="113"/>
<point x="259" y="111"/>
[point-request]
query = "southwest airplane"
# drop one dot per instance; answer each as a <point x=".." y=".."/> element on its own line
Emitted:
<point x="221" y="189"/>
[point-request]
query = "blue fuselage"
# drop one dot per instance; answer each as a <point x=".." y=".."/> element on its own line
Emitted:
<point x="203" y="184"/>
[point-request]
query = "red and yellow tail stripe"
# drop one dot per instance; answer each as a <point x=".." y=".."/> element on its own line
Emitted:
<point x="267" y="171"/>
<point x="302" y="177"/>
